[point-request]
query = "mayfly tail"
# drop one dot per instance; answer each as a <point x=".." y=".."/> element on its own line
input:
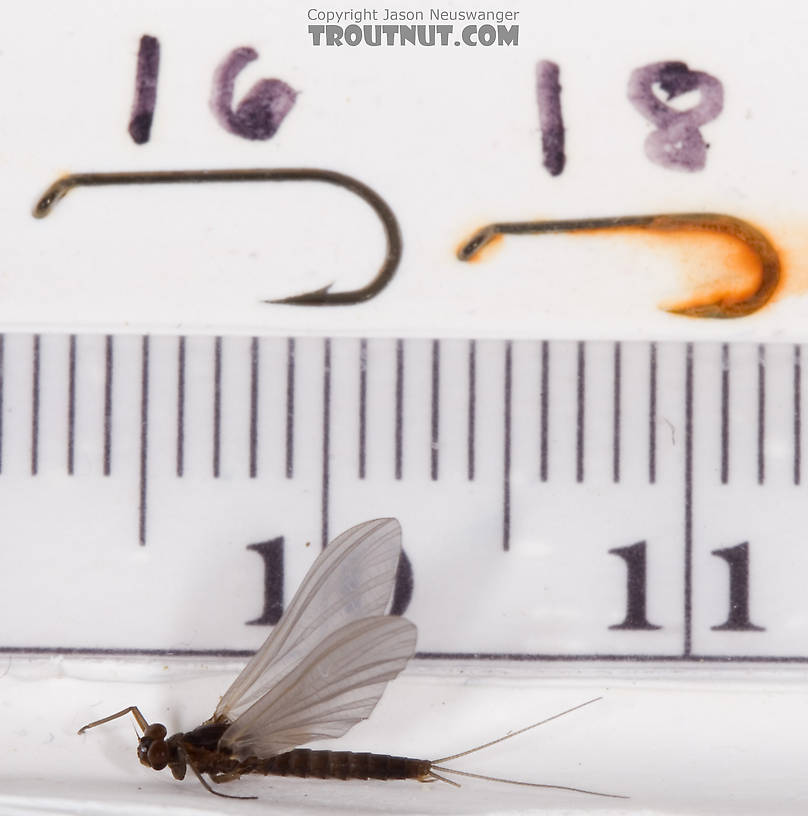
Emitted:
<point x="516" y="733"/>
<point x="519" y="782"/>
<point x="437" y="767"/>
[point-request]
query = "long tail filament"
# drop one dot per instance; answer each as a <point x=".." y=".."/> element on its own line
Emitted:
<point x="438" y="767"/>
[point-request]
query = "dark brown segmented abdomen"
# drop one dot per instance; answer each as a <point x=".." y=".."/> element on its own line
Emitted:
<point x="338" y="765"/>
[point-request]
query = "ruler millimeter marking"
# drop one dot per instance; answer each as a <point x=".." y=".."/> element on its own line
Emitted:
<point x="253" y="406"/>
<point x="797" y="414"/>
<point x="144" y="438"/>
<point x="180" y="406"/>
<point x="688" y="559"/>
<point x="35" y="409"/>
<point x="108" y="405"/>
<point x="652" y="413"/>
<point x="290" y="407"/>
<point x="326" y="441"/>
<point x="560" y="444"/>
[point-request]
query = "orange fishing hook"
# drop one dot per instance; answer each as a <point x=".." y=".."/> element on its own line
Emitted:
<point x="722" y="307"/>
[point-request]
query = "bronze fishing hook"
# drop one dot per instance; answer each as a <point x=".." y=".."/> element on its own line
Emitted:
<point x="318" y="297"/>
<point x="722" y="307"/>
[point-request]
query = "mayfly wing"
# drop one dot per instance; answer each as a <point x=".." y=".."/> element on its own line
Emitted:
<point x="331" y="690"/>
<point x="352" y="578"/>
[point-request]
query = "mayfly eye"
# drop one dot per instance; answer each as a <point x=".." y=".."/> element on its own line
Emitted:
<point x="158" y="755"/>
<point x="155" y="731"/>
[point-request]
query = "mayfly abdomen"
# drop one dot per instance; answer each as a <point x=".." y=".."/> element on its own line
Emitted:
<point x="338" y="765"/>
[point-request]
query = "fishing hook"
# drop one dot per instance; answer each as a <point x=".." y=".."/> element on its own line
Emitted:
<point x="317" y="297"/>
<point x="743" y="231"/>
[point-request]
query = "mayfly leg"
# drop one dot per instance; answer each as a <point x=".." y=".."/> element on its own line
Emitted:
<point x="134" y="710"/>
<point x="205" y="785"/>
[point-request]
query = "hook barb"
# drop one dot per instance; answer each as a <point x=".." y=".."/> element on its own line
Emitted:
<point x="722" y="307"/>
<point x="318" y="297"/>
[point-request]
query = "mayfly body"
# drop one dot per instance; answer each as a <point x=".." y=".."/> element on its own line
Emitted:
<point x="322" y="669"/>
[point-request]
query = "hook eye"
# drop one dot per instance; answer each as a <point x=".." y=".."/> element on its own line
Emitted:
<point x="722" y="307"/>
<point x="318" y="297"/>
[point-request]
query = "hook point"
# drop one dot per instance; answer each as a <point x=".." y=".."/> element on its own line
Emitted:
<point x="317" y="297"/>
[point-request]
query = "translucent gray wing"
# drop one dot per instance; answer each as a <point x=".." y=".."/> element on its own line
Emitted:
<point x="331" y="690"/>
<point x="352" y="578"/>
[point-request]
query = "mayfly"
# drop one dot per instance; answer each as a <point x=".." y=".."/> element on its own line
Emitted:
<point x="322" y="669"/>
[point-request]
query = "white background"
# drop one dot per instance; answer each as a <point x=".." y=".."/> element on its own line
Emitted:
<point x="449" y="137"/>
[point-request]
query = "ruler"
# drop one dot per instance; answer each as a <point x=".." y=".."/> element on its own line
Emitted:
<point x="560" y="500"/>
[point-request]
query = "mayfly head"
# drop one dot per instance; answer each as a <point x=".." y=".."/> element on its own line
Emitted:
<point x="152" y="750"/>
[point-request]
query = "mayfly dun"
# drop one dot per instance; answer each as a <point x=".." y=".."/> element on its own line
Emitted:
<point x="322" y="669"/>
